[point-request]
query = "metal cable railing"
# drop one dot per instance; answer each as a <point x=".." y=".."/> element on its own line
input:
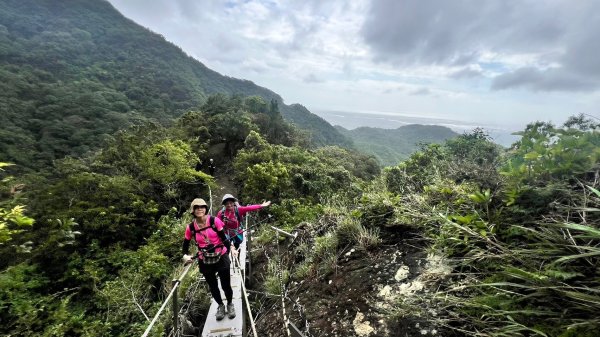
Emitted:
<point x="173" y="293"/>
<point x="245" y="294"/>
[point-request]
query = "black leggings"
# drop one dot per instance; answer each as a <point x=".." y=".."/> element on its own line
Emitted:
<point x="210" y="272"/>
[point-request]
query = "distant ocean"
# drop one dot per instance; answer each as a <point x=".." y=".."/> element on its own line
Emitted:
<point x="353" y="120"/>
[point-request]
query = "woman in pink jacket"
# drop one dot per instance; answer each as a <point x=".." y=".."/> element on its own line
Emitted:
<point x="213" y="259"/>
<point x="232" y="214"/>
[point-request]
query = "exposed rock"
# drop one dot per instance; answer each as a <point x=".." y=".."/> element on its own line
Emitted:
<point x="402" y="273"/>
<point x="362" y="328"/>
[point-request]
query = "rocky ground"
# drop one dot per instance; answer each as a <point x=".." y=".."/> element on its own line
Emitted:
<point x="361" y="296"/>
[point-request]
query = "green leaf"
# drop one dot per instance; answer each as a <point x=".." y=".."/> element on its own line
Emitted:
<point x="574" y="257"/>
<point x="531" y="155"/>
<point x="596" y="192"/>
<point x="583" y="228"/>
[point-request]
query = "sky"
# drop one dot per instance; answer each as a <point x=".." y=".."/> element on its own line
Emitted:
<point x="502" y="63"/>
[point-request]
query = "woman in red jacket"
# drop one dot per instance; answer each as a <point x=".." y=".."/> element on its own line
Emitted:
<point x="232" y="214"/>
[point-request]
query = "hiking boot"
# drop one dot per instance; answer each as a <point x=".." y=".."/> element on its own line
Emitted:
<point x="230" y="310"/>
<point x="220" y="312"/>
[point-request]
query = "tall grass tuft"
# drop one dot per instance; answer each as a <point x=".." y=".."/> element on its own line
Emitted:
<point x="536" y="279"/>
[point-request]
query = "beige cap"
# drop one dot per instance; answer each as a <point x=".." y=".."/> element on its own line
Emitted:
<point x="198" y="202"/>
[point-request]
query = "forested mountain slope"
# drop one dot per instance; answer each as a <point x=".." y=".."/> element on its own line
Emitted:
<point x="86" y="250"/>
<point x="390" y="146"/>
<point x="74" y="72"/>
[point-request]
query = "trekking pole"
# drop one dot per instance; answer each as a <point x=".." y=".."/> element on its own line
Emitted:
<point x="210" y="200"/>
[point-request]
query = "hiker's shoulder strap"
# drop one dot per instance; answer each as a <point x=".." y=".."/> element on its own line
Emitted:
<point x="221" y="233"/>
<point x="193" y="231"/>
<point x="212" y="223"/>
<point x="222" y="213"/>
<point x="237" y="215"/>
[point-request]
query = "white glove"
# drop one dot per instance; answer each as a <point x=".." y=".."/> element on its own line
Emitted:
<point x="234" y="252"/>
<point x="187" y="259"/>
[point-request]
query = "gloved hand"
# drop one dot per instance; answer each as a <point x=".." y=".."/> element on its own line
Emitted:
<point x="187" y="259"/>
<point x="234" y="252"/>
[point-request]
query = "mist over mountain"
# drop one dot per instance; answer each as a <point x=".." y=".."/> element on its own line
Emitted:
<point x="500" y="134"/>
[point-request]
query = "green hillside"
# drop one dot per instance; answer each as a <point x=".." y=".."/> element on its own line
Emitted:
<point x="390" y="146"/>
<point x="74" y="72"/>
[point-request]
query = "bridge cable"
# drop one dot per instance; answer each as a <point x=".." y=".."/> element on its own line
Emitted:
<point x="162" y="307"/>
<point x="177" y="284"/>
<point x="236" y="263"/>
<point x="283" y="292"/>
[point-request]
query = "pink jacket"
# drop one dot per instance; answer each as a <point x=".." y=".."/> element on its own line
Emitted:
<point x="207" y="235"/>
<point x="231" y="223"/>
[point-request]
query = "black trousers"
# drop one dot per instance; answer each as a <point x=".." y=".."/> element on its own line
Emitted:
<point x="210" y="271"/>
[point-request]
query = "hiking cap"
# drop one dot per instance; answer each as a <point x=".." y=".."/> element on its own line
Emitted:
<point x="228" y="197"/>
<point x="198" y="202"/>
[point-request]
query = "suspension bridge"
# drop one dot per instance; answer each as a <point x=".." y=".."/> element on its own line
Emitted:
<point x="231" y="327"/>
<point x="242" y="324"/>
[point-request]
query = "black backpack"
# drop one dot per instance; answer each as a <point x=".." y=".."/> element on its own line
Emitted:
<point x="212" y="225"/>
<point x="237" y="216"/>
<point x="210" y="257"/>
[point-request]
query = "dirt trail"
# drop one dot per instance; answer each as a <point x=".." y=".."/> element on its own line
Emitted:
<point x="225" y="184"/>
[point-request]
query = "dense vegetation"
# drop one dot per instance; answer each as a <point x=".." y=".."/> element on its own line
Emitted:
<point x="521" y="229"/>
<point x="89" y="242"/>
<point x="107" y="228"/>
<point x="390" y="146"/>
<point x="516" y="233"/>
<point x="518" y="228"/>
<point x="74" y="72"/>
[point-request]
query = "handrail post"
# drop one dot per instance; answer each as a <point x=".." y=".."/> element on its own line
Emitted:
<point x="164" y="305"/>
<point x="175" y="308"/>
<point x="248" y="248"/>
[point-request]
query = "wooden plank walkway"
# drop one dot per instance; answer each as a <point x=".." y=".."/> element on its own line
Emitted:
<point x="229" y="327"/>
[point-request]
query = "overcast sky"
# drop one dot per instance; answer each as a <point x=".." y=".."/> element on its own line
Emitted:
<point x="503" y="62"/>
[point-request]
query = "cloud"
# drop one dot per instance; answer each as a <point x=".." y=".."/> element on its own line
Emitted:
<point x="390" y="55"/>
<point x="521" y="35"/>
<point x="312" y="78"/>
<point x="466" y="73"/>
<point x="393" y="90"/>
<point x="430" y="31"/>
<point x="549" y="80"/>
<point x="421" y="92"/>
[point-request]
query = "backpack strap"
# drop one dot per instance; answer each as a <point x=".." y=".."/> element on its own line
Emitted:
<point x="212" y="223"/>
<point x="223" y="213"/>
<point x="193" y="230"/>
<point x="212" y="226"/>
<point x="238" y="217"/>
<point x="221" y="234"/>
